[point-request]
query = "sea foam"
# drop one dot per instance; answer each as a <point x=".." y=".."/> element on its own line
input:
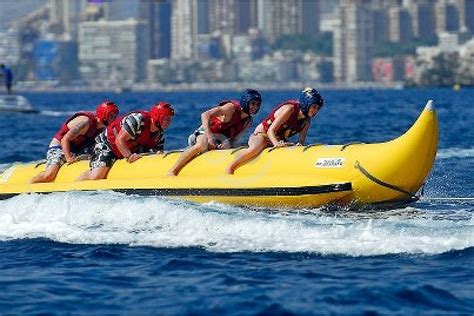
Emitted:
<point x="56" y="113"/>
<point x="112" y="218"/>
<point x="455" y="153"/>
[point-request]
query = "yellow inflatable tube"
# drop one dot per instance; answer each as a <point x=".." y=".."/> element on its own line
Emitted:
<point x="297" y="176"/>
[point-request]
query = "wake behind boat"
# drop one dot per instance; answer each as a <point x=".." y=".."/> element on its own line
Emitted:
<point x="311" y="176"/>
<point x="15" y="103"/>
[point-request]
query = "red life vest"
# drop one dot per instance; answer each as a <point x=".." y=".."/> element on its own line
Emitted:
<point x="235" y="125"/>
<point x="146" y="139"/>
<point x="291" y="127"/>
<point x="81" y="141"/>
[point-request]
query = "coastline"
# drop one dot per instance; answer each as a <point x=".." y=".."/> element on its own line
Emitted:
<point x="199" y="87"/>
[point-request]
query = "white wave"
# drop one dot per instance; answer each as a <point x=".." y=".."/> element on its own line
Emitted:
<point x="112" y="218"/>
<point x="455" y="153"/>
<point x="56" y="113"/>
<point x="4" y="166"/>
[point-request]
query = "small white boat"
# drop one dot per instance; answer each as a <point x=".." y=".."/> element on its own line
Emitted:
<point x="15" y="103"/>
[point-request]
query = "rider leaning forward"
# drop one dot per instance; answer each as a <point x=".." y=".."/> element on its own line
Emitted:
<point x="143" y="131"/>
<point x="129" y="137"/>
<point x="287" y="119"/>
<point x="221" y="127"/>
<point x="76" y="136"/>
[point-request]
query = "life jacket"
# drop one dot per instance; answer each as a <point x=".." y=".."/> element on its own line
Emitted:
<point x="147" y="139"/>
<point x="81" y="141"/>
<point x="291" y="127"/>
<point x="235" y="125"/>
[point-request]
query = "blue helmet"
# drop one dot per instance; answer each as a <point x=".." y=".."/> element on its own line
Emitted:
<point x="247" y="96"/>
<point x="308" y="97"/>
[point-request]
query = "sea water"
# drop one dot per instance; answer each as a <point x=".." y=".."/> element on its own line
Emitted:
<point x="106" y="252"/>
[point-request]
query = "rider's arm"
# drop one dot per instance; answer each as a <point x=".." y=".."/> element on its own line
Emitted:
<point x="303" y="133"/>
<point x="281" y="117"/>
<point x="131" y="129"/>
<point x="121" y="143"/>
<point x="159" y="146"/>
<point x="226" y="109"/>
<point x="78" y="126"/>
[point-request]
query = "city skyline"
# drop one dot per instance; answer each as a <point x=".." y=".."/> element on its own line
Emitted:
<point x="230" y="40"/>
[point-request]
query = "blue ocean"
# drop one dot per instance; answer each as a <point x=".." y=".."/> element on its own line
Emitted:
<point x="78" y="253"/>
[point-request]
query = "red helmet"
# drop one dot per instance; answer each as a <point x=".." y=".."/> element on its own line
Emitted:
<point x="104" y="109"/>
<point x="160" y="110"/>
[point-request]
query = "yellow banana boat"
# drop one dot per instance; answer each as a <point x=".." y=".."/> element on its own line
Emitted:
<point x="380" y="173"/>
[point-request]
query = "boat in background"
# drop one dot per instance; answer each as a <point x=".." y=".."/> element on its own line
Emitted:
<point x="387" y="173"/>
<point x="15" y="103"/>
<point x="122" y="89"/>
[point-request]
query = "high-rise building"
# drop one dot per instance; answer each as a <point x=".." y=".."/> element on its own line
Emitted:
<point x="447" y="16"/>
<point x="65" y="16"/>
<point x="381" y="22"/>
<point x="310" y="16"/>
<point x="400" y="25"/>
<point x="226" y="16"/>
<point x="10" y="51"/>
<point x="246" y="12"/>
<point x="109" y="50"/>
<point x="222" y="16"/>
<point x="328" y="7"/>
<point x="183" y="29"/>
<point x="423" y="19"/>
<point x="288" y="17"/>
<point x="203" y="16"/>
<point x="385" y="4"/>
<point x="157" y="16"/>
<point x="466" y="14"/>
<point x="353" y="42"/>
<point x="280" y="17"/>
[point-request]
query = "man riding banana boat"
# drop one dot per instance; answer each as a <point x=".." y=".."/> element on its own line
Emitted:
<point x="75" y="136"/>
<point x="127" y="137"/>
<point x="221" y="128"/>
